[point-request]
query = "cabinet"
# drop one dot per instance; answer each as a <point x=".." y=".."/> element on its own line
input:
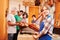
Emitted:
<point x="57" y="15"/>
<point x="33" y="10"/>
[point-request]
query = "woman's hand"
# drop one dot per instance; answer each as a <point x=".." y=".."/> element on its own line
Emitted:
<point x="36" y="33"/>
<point x="36" y="36"/>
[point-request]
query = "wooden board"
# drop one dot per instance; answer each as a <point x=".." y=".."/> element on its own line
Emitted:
<point x="33" y="10"/>
<point x="3" y="27"/>
<point x="57" y="16"/>
<point x="25" y="37"/>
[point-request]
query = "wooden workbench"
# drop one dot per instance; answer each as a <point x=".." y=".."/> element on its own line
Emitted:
<point x="25" y="37"/>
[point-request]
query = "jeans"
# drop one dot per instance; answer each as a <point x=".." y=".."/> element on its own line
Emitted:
<point x="16" y="35"/>
<point x="45" y="37"/>
<point x="10" y="36"/>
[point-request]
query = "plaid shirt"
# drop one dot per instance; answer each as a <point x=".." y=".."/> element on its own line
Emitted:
<point x="48" y="25"/>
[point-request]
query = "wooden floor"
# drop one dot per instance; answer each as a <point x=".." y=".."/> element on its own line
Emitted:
<point x="30" y="37"/>
<point x="56" y="37"/>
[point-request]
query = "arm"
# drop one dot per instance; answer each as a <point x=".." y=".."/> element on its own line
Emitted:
<point x="12" y="24"/>
<point x="9" y="17"/>
<point x="45" y="29"/>
<point x="42" y="17"/>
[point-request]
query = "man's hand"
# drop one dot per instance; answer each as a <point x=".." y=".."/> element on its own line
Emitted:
<point x="21" y="24"/>
<point x="17" y="23"/>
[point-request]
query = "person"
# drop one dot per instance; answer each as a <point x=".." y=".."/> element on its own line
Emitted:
<point x="45" y="26"/>
<point x="25" y="16"/>
<point x="33" y="18"/>
<point x="51" y="8"/>
<point x="25" y="20"/>
<point x="18" y="19"/>
<point x="52" y="11"/>
<point x="11" y="24"/>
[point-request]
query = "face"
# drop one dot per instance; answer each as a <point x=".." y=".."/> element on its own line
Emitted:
<point x="13" y="12"/>
<point x="46" y="11"/>
<point x="34" y="18"/>
<point x="45" y="14"/>
<point x="24" y="16"/>
<point x="20" y="13"/>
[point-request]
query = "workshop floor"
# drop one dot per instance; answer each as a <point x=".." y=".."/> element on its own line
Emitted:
<point x="56" y="37"/>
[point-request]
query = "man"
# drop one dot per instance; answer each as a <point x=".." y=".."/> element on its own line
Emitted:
<point x="18" y="19"/>
<point x="45" y="26"/>
<point x="33" y="18"/>
<point x="11" y="24"/>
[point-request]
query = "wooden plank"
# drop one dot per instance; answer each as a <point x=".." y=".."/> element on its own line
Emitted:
<point x="57" y="16"/>
<point x="3" y="30"/>
<point x="33" y="10"/>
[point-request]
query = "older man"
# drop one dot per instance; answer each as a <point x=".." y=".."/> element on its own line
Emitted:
<point x="11" y="28"/>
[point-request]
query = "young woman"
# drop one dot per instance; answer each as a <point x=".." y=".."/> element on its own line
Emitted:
<point x="45" y="26"/>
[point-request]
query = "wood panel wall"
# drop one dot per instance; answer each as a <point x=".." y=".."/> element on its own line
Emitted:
<point x="3" y="28"/>
<point x="57" y="15"/>
<point x="33" y="10"/>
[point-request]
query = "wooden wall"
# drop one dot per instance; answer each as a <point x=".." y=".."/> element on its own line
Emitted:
<point x="57" y="15"/>
<point x="3" y="7"/>
<point x="33" y="10"/>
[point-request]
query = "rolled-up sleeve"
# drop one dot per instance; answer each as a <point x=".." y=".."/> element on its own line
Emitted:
<point x="47" y="25"/>
<point x="8" y="17"/>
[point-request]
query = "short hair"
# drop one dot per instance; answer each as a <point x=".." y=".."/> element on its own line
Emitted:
<point x="25" y="14"/>
<point x="20" y="11"/>
<point x="33" y="15"/>
<point x="44" y="7"/>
